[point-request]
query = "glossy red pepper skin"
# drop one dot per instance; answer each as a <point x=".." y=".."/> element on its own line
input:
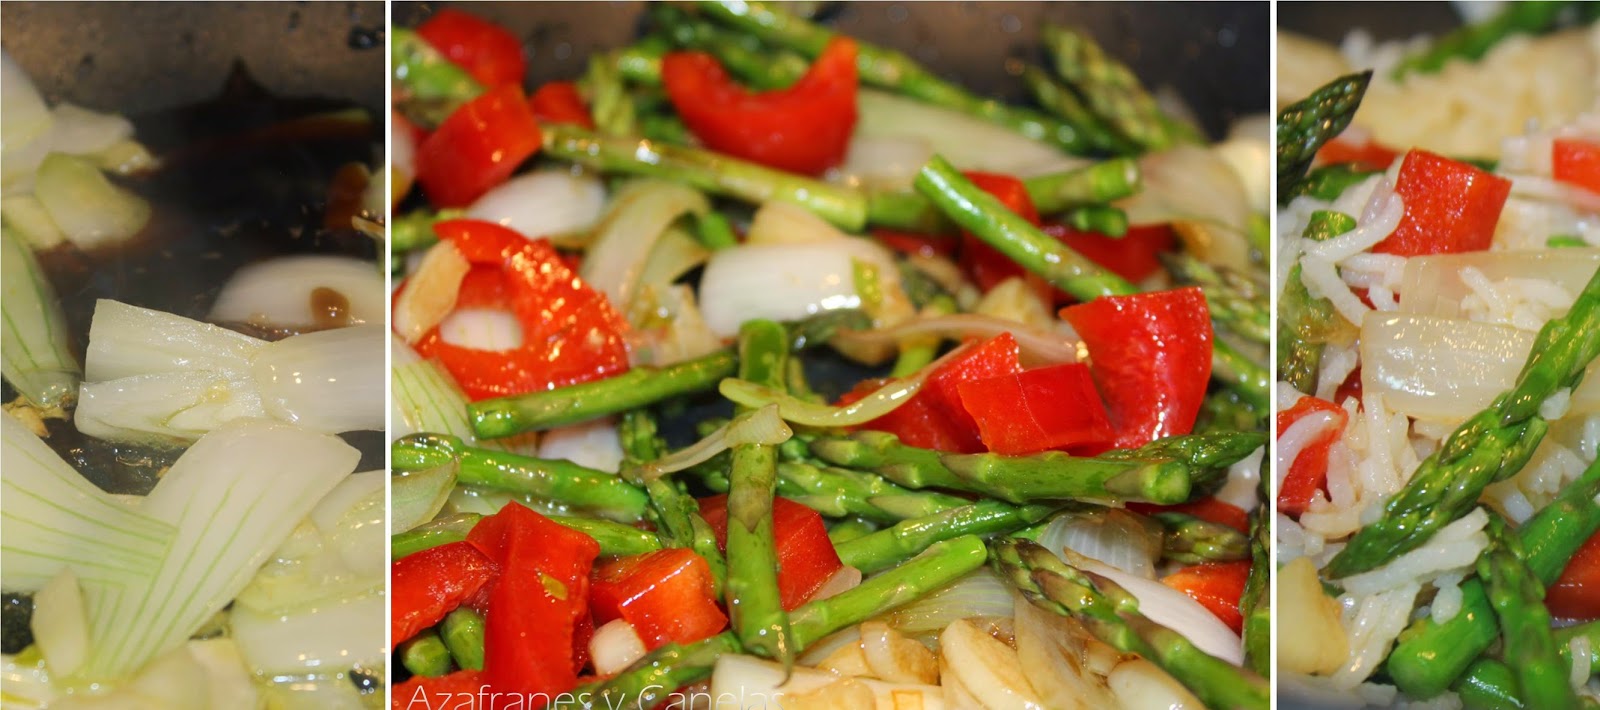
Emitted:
<point x="539" y="602"/>
<point x="935" y="418"/>
<point x="1450" y="207"/>
<point x="1218" y="587"/>
<point x="1150" y="355"/>
<point x="1133" y="256"/>
<point x="1370" y="155"/>
<point x="1576" y="594"/>
<point x="477" y="147"/>
<point x="489" y="52"/>
<point x="665" y="595"/>
<point x="570" y="332"/>
<point x="912" y="244"/>
<point x="916" y="423"/>
<point x="458" y="691"/>
<point x="985" y="264"/>
<point x="806" y="558"/>
<point x="803" y="129"/>
<point x="1209" y="509"/>
<point x="1576" y="162"/>
<point x="1309" y="471"/>
<point x="1037" y="410"/>
<point x="559" y="102"/>
<point x="425" y="586"/>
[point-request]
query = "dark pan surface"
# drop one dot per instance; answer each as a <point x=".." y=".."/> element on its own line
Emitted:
<point x="1330" y="21"/>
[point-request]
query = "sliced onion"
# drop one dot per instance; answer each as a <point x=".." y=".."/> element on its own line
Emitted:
<point x="301" y="292"/>
<point x="1177" y="611"/>
<point x="416" y="496"/>
<point x="128" y="340"/>
<point x="24" y="125"/>
<point x="676" y="253"/>
<point x="634" y="222"/>
<point x="841" y="581"/>
<point x="544" y="203"/>
<point x="674" y="332"/>
<point x="762" y="426"/>
<point x="27" y="217"/>
<point x="780" y="222"/>
<point x="1053" y="653"/>
<point x="330" y="635"/>
<point x="60" y="623"/>
<point x="402" y="156"/>
<point x="614" y="647"/>
<point x="882" y="162"/>
<point x="165" y="408"/>
<point x="1138" y="683"/>
<point x="980" y="594"/>
<point x="1038" y="345"/>
<point x="482" y="329"/>
<point x="895" y="658"/>
<point x="329" y="381"/>
<point x="1124" y="540"/>
<point x="985" y="667"/>
<point x="968" y="142"/>
<point x="430" y="292"/>
<point x="1433" y="285"/>
<point x="784" y="282"/>
<point x="79" y="131"/>
<point x="88" y="208"/>
<point x="879" y="402"/>
<point x="1195" y="189"/>
<point x="594" y="444"/>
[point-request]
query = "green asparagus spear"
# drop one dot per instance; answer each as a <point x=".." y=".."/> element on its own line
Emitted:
<point x="650" y="680"/>
<point x="1161" y="472"/>
<point x="1191" y="540"/>
<point x="561" y="482"/>
<point x="712" y="172"/>
<point x="847" y="530"/>
<point x="752" y="589"/>
<point x="436" y="532"/>
<point x="616" y="539"/>
<point x="1305" y="323"/>
<point x="1489" y="685"/>
<point x="1066" y="105"/>
<point x="1517" y="597"/>
<point x="641" y="386"/>
<point x="1236" y="301"/>
<point x="840" y="492"/>
<point x="1256" y="603"/>
<point x="414" y="230"/>
<point x="714" y="231"/>
<point x="1470" y="42"/>
<point x="425" y="655"/>
<point x="1305" y="125"/>
<point x="891" y="70"/>
<point x="1109" y="87"/>
<point x="755" y="64"/>
<point x="428" y="86"/>
<point x="1241" y="372"/>
<point x="892" y="545"/>
<point x="1111" y="614"/>
<point x="462" y="631"/>
<point x="609" y="101"/>
<point x="1429" y="656"/>
<point x="919" y="354"/>
<point x="640" y="62"/>
<point x="1100" y="219"/>
<point x="1226" y="410"/>
<point x="1094" y="184"/>
<point x="1491" y="446"/>
<point x="1328" y="182"/>
<point x="677" y="513"/>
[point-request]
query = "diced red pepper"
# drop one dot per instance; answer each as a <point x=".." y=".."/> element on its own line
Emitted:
<point x="804" y="128"/>
<point x="477" y="147"/>
<point x="917" y="423"/>
<point x="915" y="244"/>
<point x="935" y="418"/>
<point x="570" y="332"/>
<point x="1151" y="357"/>
<point x="538" y="604"/>
<point x="1209" y="509"/>
<point x="1576" y="594"/>
<point x="1309" y="471"/>
<point x="488" y="52"/>
<point x="559" y="102"/>
<point x="665" y="595"/>
<point x="806" y="558"/>
<point x="1218" y="586"/>
<point x="1132" y="256"/>
<point x="1576" y="162"/>
<point x="1037" y="410"/>
<point x="1450" y="207"/>
<point x="458" y="691"/>
<point x="1368" y="154"/>
<point x="425" y="586"/>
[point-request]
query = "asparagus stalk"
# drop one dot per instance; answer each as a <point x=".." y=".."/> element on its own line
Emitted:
<point x="714" y="231"/>
<point x="891" y="70"/>
<point x="556" y="481"/>
<point x="841" y="492"/>
<point x="890" y="546"/>
<point x="609" y="101"/>
<point x="1100" y="219"/>
<point x="641" y="386"/>
<point x="640" y="63"/>
<point x="648" y="682"/>
<point x="1242" y="373"/>
<point x="462" y="631"/>
<point x="425" y="655"/>
<point x="1491" y="446"/>
<point x="1430" y="656"/>
<point x="1328" y="182"/>
<point x="1162" y="472"/>
<point x="1305" y="323"/>
<point x="711" y="172"/>
<point x="1226" y="410"/>
<point x="1110" y="88"/>
<point x="847" y="530"/>
<point x="436" y="532"/>
<point x="1111" y="614"/>
<point x="1094" y="184"/>
<point x="1064" y="103"/>
<point x="38" y="358"/>
<point x="616" y="539"/>
<point x="754" y="610"/>
<point x="677" y="514"/>
<point x="414" y="230"/>
<point x="1471" y="42"/>
<point x="1305" y="125"/>
<point x="1256" y="603"/>
<point x="1191" y="540"/>
<point x="1518" y="600"/>
<point x="429" y="85"/>
<point x="1236" y="302"/>
<point x="756" y="65"/>
<point x="919" y="353"/>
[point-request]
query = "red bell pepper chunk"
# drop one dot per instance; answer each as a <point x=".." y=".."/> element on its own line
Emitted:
<point x="916" y="423"/>
<point x="1037" y="410"/>
<point x="1209" y="509"/>
<point x="1133" y="256"/>
<point x="458" y="691"/>
<point x="1368" y="154"/>
<point x="1309" y="471"/>
<point x="665" y="595"/>
<point x="985" y="264"/>
<point x="477" y="147"/>
<point x="488" y="52"/>
<point x="915" y="244"/>
<point x="539" y="602"/>
<point x="935" y="418"/>
<point x="1218" y="586"/>
<point x="425" y="586"/>
<point x="1576" y="594"/>
<point x="570" y="332"/>
<point x="559" y="102"/>
<point x="1151" y="357"/>
<point x="1450" y="207"/>
<point x="1576" y="162"/>
<point x="806" y="558"/>
<point x="804" y="128"/>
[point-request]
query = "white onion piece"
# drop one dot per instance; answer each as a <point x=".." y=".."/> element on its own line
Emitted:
<point x="841" y="581"/>
<point x="127" y="340"/>
<point x="325" y="636"/>
<point x="786" y="223"/>
<point x="1140" y="684"/>
<point x="762" y="426"/>
<point x="593" y="444"/>
<point x="79" y="131"/>
<point x="1177" y="611"/>
<point x="1113" y="536"/>
<point x="416" y="496"/>
<point x="430" y="291"/>
<point x="1040" y="346"/>
<point x="784" y="282"/>
<point x="329" y="381"/>
<point x="277" y="293"/>
<point x="165" y="408"/>
<point x="402" y="156"/>
<point x="24" y="124"/>
<point x="969" y="143"/>
<point x="88" y="208"/>
<point x="352" y="518"/>
<point x="633" y="223"/>
<point x="748" y="682"/>
<point x="27" y="217"/>
<point x="882" y="162"/>
<point x="1433" y="285"/>
<point x="1193" y="184"/>
<point x="60" y="623"/>
<point x="614" y="647"/>
<point x="1251" y="160"/>
<point x="543" y="203"/>
<point x="482" y="329"/>
<point x="893" y="657"/>
<point x="981" y="593"/>
<point x="1052" y="651"/>
<point x="985" y="667"/>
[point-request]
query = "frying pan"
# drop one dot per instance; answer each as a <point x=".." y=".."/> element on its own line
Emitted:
<point x="1215" y="54"/>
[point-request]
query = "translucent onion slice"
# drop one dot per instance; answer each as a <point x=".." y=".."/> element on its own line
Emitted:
<point x="430" y="292"/>
<point x="60" y="623"/>
<point x="968" y="143"/>
<point x="79" y="131"/>
<point x="980" y="594"/>
<point x="634" y="222"/>
<point x="416" y="496"/>
<point x="24" y="124"/>
<point x="1433" y="285"/>
<point x="1177" y="611"/>
<point x="887" y="163"/>
<point x="1196" y="187"/>
<point x="785" y="282"/>
<point x="1138" y="683"/>
<point x="762" y="426"/>
<point x="1053" y="650"/>
<point x="1039" y="345"/>
<point x="543" y="203"/>
<point x="128" y="340"/>
<point x="88" y="208"/>
<point x="879" y="402"/>
<point x="1124" y="540"/>
<point x="788" y="223"/>
<point x="306" y="292"/>
<point x="326" y="636"/>
<point x="329" y="381"/>
<point x="593" y="444"/>
<point x="615" y="646"/>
